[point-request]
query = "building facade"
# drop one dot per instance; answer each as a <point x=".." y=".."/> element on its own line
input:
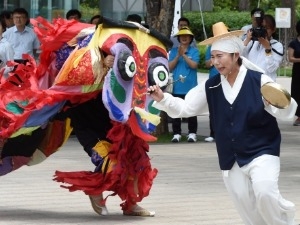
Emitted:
<point x="46" y="8"/>
<point x="119" y="9"/>
<point x="115" y="9"/>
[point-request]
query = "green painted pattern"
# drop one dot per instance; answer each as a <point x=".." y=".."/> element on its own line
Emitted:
<point x="153" y="110"/>
<point x="118" y="91"/>
<point x="15" y="107"/>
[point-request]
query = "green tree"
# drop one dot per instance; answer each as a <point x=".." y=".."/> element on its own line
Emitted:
<point x="90" y="3"/>
<point x="291" y="4"/>
<point x="244" y="5"/>
<point x="225" y="5"/>
<point x="160" y="15"/>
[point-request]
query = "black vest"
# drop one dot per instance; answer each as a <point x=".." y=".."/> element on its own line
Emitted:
<point x="244" y="130"/>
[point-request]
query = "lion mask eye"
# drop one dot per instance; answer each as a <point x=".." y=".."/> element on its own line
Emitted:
<point x="158" y="74"/>
<point x="126" y="66"/>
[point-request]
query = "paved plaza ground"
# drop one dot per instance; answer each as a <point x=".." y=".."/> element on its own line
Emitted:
<point x="188" y="189"/>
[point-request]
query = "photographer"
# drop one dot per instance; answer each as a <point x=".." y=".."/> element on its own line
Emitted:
<point x="256" y="18"/>
<point x="262" y="49"/>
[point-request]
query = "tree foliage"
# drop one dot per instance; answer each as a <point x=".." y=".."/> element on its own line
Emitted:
<point x="225" y="5"/>
<point x="90" y="3"/>
<point x="242" y="5"/>
<point x="297" y="9"/>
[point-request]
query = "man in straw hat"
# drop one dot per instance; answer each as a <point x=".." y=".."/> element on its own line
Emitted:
<point x="183" y="62"/>
<point x="246" y="131"/>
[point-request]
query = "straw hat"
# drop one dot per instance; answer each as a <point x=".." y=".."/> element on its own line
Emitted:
<point x="221" y="31"/>
<point x="184" y="31"/>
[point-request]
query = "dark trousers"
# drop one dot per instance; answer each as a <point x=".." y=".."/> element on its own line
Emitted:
<point x="212" y="133"/>
<point x="192" y="122"/>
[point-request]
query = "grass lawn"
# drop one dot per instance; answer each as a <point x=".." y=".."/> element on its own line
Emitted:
<point x="164" y="138"/>
<point x="284" y="72"/>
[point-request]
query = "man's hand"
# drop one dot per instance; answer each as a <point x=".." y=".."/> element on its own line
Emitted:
<point x="156" y="93"/>
<point x="109" y="61"/>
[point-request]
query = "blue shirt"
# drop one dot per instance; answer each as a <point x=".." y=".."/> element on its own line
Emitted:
<point x="182" y="68"/>
<point x="212" y="70"/>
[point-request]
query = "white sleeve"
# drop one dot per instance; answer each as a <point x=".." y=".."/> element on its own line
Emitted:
<point x="9" y="53"/>
<point x="194" y="104"/>
<point x="274" y="60"/>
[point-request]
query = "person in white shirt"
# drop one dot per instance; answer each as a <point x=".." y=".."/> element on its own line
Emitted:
<point x="246" y="131"/>
<point x="262" y="49"/>
<point x="257" y="15"/>
<point x="22" y="38"/>
<point x="6" y="52"/>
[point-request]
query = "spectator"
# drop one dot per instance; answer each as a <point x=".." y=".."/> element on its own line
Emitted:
<point x="257" y="15"/>
<point x="212" y="72"/>
<point x="6" y="51"/>
<point x="7" y="16"/>
<point x="134" y="18"/>
<point x="74" y="14"/>
<point x="95" y="19"/>
<point x="246" y="129"/>
<point x="208" y="63"/>
<point x="182" y="22"/>
<point x="262" y="49"/>
<point x="22" y="38"/>
<point x="184" y="61"/>
<point x="294" y="57"/>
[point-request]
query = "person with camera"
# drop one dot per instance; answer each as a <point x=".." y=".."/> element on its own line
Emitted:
<point x="256" y="15"/>
<point x="262" y="49"/>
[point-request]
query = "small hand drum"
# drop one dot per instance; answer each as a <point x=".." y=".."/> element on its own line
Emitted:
<point x="276" y="95"/>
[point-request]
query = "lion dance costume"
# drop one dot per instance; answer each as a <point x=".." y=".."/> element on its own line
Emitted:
<point x="36" y="99"/>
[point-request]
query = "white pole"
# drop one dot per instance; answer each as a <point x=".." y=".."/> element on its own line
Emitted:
<point x="203" y="26"/>
<point x="177" y="15"/>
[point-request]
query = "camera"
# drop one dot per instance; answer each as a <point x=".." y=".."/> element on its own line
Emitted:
<point x="259" y="30"/>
